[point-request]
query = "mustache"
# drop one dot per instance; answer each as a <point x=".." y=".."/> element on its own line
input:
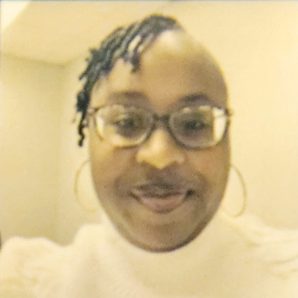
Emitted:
<point x="163" y="185"/>
<point x="162" y="181"/>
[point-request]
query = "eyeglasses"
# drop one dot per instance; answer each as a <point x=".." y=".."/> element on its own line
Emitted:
<point x="195" y="127"/>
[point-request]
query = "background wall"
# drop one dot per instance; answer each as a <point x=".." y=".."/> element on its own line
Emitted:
<point x="256" y="44"/>
<point x="29" y="148"/>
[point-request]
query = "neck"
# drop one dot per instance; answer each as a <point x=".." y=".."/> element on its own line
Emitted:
<point x="181" y="265"/>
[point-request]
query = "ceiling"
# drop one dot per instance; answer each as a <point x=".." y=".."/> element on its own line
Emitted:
<point x="60" y="31"/>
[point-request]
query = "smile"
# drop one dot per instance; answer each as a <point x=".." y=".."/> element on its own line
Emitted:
<point x="160" y="198"/>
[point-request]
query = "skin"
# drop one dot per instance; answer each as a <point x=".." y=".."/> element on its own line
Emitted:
<point x="173" y="69"/>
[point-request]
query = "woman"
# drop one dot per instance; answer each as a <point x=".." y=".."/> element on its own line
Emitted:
<point x="155" y="104"/>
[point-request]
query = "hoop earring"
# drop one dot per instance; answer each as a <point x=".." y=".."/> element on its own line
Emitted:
<point x="244" y="193"/>
<point x="76" y="187"/>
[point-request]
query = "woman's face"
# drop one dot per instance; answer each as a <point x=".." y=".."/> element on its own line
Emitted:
<point x="160" y="195"/>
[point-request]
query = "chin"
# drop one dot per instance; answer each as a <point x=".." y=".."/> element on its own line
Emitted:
<point x="163" y="239"/>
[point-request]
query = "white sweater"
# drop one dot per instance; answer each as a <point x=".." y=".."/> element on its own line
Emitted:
<point x="232" y="258"/>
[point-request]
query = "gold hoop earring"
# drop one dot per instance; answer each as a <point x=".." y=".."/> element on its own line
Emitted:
<point x="76" y="187"/>
<point x="243" y="190"/>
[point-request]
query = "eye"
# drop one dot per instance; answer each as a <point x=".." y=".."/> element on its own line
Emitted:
<point x="192" y="124"/>
<point x="128" y="124"/>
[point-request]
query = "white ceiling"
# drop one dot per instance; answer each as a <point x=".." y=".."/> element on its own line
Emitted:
<point x="60" y="31"/>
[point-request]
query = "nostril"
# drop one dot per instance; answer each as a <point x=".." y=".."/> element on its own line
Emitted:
<point x="190" y="193"/>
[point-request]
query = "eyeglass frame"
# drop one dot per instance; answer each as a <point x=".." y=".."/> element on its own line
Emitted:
<point x="91" y="112"/>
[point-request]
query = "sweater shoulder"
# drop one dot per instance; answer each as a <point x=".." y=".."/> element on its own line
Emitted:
<point x="276" y="248"/>
<point x="27" y="263"/>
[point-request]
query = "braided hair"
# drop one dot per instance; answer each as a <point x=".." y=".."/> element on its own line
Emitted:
<point x="127" y="43"/>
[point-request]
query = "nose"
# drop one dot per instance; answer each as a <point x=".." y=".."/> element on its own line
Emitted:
<point x="160" y="150"/>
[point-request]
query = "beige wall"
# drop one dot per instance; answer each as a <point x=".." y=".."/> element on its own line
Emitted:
<point x="39" y="156"/>
<point x="29" y="148"/>
<point x="256" y="45"/>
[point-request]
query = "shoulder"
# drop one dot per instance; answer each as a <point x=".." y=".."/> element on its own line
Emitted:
<point x="277" y="248"/>
<point x="25" y="263"/>
<point x="35" y="267"/>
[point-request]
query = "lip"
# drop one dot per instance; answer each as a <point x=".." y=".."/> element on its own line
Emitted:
<point x="160" y="198"/>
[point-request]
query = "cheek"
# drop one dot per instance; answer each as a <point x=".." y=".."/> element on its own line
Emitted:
<point x="107" y="162"/>
<point x="100" y="157"/>
<point x="213" y="164"/>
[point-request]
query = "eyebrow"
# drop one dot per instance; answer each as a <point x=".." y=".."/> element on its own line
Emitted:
<point x="127" y="97"/>
<point x="140" y="99"/>
<point x="195" y="99"/>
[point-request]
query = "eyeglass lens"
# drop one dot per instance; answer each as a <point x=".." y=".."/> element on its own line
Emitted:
<point x="194" y="127"/>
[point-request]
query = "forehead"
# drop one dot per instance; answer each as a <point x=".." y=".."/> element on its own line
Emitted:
<point x="172" y="69"/>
